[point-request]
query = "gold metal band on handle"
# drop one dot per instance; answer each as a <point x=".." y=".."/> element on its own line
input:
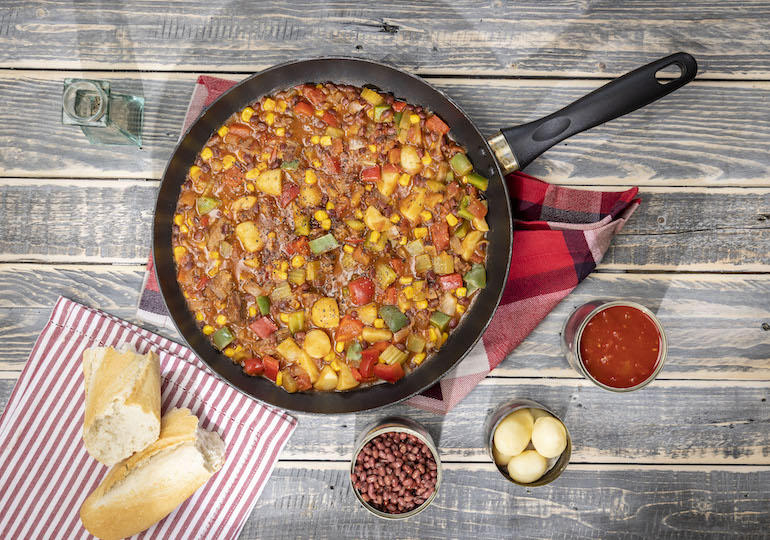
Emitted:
<point x="503" y="153"/>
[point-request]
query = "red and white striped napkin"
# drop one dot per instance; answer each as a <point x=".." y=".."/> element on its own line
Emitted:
<point x="46" y="473"/>
<point x="560" y="236"/>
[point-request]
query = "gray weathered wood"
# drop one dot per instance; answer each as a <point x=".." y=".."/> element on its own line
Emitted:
<point x="474" y="501"/>
<point x="111" y="221"/>
<point x="705" y="134"/>
<point x="500" y="38"/>
<point x="668" y="422"/>
<point x="714" y="322"/>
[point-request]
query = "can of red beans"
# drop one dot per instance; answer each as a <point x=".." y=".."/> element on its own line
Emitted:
<point x="395" y="472"/>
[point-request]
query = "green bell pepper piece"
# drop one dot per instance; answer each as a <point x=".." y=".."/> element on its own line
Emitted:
<point x="440" y="320"/>
<point x="263" y="302"/>
<point x="354" y="351"/>
<point x="222" y="338"/>
<point x="460" y="164"/>
<point x="397" y="117"/>
<point x="296" y="322"/>
<point x="204" y="205"/>
<point x="477" y="180"/>
<point x="393" y="318"/>
<point x="463" y="211"/>
<point x="475" y="278"/>
<point x="378" y="110"/>
<point x="290" y="165"/>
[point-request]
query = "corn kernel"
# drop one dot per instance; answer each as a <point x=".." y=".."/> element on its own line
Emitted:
<point x="347" y="248"/>
<point x="179" y="251"/>
<point x="317" y="164"/>
<point x="326" y="140"/>
<point x="422" y="304"/>
<point x="280" y="275"/>
<point x="335" y="364"/>
<point x="319" y="112"/>
<point x="451" y="219"/>
<point x="418" y="358"/>
<point x="195" y="172"/>
<point x="282" y="105"/>
<point x="252" y="312"/>
<point x="297" y="261"/>
<point x="183" y="229"/>
<point x="326" y="224"/>
<point x="409" y="292"/>
<point x="199" y="316"/>
<point x="426" y="216"/>
<point x="217" y="263"/>
<point x="223" y="131"/>
<point x="271" y="234"/>
<point x="250" y="187"/>
<point x="279" y="378"/>
<point x="379" y="323"/>
<point x="339" y="347"/>
<point x="268" y="105"/>
<point x="208" y="330"/>
<point x="368" y="187"/>
<point x="395" y="218"/>
<point x="404" y="179"/>
<point x="372" y="148"/>
<point x="426" y="159"/>
<point x="284" y="265"/>
<point x="359" y="214"/>
<point x="402" y="241"/>
<point x="206" y="153"/>
<point x="444" y="337"/>
<point x="310" y="177"/>
<point x="251" y="174"/>
<point x="221" y="305"/>
<point x="269" y="119"/>
<point x="329" y="357"/>
<point x="406" y="280"/>
<point x="284" y="317"/>
<point x="320" y="215"/>
<point x="461" y="291"/>
<point x="229" y="352"/>
<point x="261" y="166"/>
<point x="186" y="295"/>
<point x="370" y="113"/>
<point x="280" y="132"/>
<point x="264" y="156"/>
<point x="221" y="320"/>
<point x="214" y="254"/>
<point x="460" y="309"/>
<point x="178" y="219"/>
<point x="246" y="114"/>
<point x="420" y="232"/>
<point x="330" y="205"/>
<point x="414" y="119"/>
<point x="464" y="180"/>
<point x="374" y="236"/>
<point x="432" y="333"/>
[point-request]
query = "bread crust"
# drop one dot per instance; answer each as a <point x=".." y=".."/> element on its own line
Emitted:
<point x="109" y="517"/>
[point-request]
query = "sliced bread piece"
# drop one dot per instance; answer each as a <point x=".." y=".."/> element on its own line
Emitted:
<point x="122" y="410"/>
<point x="149" y="485"/>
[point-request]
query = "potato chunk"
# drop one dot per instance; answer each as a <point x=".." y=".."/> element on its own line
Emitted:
<point x="327" y="380"/>
<point x="527" y="467"/>
<point x="549" y="437"/>
<point x="317" y="343"/>
<point x="269" y="182"/>
<point x="346" y="378"/>
<point x="514" y="432"/>
<point x="249" y="235"/>
<point x="325" y="313"/>
<point x="244" y="203"/>
<point x="310" y="196"/>
<point x="410" y="159"/>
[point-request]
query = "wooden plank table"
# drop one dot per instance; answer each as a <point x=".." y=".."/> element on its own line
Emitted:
<point x="687" y="457"/>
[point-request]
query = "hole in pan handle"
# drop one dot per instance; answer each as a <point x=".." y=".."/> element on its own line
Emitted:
<point x="516" y="147"/>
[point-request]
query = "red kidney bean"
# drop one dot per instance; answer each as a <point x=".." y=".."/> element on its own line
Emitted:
<point x="395" y="473"/>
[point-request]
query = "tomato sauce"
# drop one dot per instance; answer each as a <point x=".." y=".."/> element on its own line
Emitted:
<point x="620" y="347"/>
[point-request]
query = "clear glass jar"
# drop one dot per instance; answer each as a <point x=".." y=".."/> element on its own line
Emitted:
<point x="103" y="116"/>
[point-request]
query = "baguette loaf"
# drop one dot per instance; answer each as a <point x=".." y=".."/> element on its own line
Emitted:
<point x="149" y="485"/>
<point x="122" y="410"/>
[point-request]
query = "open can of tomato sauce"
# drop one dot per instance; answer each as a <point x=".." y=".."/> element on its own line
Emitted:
<point x="618" y="345"/>
<point x="395" y="472"/>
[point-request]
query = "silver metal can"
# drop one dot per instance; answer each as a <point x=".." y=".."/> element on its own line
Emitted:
<point x="572" y="332"/>
<point x="497" y="416"/>
<point x="395" y="424"/>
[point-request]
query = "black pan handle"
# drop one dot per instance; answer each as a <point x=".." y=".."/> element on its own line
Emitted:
<point x="621" y="96"/>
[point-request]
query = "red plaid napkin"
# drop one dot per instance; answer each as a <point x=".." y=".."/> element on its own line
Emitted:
<point x="561" y="235"/>
<point x="46" y="472"/>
